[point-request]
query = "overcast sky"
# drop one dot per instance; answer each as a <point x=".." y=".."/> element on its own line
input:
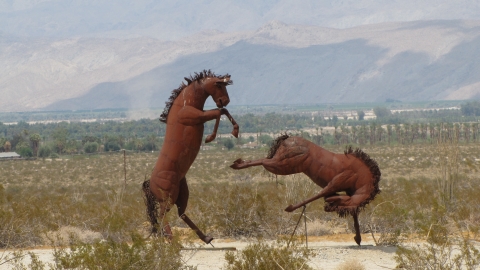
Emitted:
<point x="171" y="19"/>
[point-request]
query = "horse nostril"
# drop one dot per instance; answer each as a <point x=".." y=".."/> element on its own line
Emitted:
<point x="225" y="102"/>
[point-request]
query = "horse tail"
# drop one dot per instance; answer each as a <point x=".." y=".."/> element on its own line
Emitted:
<point x="276" y="144"/>
<point x="152" y="206"/>
<point x="374" y="169"/>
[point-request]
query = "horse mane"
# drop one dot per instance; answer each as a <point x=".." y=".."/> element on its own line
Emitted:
<point x="276" y="144"/>
<point x="176" y="92"/>
<point x="376" y="174"/>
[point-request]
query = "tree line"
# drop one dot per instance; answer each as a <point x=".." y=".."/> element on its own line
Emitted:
<point x="405" y="127"/>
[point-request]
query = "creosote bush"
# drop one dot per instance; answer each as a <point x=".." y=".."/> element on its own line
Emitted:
<point x="446" y="249"/>
<point x="109" y="254"/>
<point x="264" y="256"/>
<point x="351" y="264"/>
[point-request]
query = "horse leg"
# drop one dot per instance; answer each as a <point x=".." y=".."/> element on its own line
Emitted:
<point x="335" y="185"/>
<point x="273" y="165"/>
<point x="358" y="237"/>
<point x="243" y="164"/>
<point x="351" y="203"/>
<point x="182" y="201"/>
<point x="166" y="230"/>
<point x="234" y="123"/>
<point x="212" y="136"/>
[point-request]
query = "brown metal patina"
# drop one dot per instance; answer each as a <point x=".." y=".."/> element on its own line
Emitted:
<point x="353" y="172"/>
<point x="184" y="116"/>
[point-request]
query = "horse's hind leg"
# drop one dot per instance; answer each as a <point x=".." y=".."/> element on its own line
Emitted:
<point x="335" y="185"/>
<point x="166" y="230"/>
<point x="182" y="201"/>
<point x="351" y="203"/>
<point x="156" y="210"/>
<point x="358" y="236"/>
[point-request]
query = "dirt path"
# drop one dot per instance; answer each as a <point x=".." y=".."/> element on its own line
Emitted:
<point x="331" y="252"/>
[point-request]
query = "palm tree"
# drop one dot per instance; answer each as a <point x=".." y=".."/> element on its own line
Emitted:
<point x="35" y="139"/>
<point x="354" y="134"/>
<point x="389" y="133"/>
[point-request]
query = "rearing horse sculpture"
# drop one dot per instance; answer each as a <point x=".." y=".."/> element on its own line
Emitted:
<point x="353" y="172"/>
<point x="184" y="116"/>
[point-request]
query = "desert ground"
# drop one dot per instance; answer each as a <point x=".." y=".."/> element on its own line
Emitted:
<point x="331" y="251"/>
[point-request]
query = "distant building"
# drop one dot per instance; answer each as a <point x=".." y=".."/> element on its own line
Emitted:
<point x="251" y="145"/>
<point x="9" y="155"/>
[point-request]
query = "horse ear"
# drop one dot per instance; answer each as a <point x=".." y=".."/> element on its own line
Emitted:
<point x="221" y="83"/>
<point x="225" y="81"/>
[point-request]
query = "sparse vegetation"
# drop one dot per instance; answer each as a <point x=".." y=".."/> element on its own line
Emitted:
<point x="351" y="264"/>
<point x="263" y="256"/>
<point x="44" y="196"/>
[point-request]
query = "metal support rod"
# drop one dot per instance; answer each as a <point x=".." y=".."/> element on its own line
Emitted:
<point x="305" y="219"/>
<point x="298" y="222"/>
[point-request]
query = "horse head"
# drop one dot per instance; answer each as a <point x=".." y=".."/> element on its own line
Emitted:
<point x="217" y="88"/>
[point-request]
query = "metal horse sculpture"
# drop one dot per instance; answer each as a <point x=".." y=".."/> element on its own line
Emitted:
<point x="184" y="116"/>
<point x="353" y="172"/>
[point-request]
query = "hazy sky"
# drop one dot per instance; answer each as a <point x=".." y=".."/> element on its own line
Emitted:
<point x="170" y="19"/>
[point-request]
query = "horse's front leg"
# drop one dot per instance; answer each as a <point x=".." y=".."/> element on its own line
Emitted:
<point x="212" y="136"/>
<point x="235" y="130"/>
<point x="234" y="123"/>
<point x="190" y="116"/>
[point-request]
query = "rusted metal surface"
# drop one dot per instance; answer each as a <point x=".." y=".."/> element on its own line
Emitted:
<point x="352" y="172"/>
<point x="184" y="116"/>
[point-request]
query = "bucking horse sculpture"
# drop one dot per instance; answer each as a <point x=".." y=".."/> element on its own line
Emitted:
<point x="184" y="116"/>
<point x="353" y="172"/>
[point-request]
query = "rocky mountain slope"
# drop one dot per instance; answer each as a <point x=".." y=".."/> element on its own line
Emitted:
<point x="275" y="64"/>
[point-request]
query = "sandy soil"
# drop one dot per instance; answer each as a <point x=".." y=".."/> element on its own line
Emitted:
<point x="331" y="251"/>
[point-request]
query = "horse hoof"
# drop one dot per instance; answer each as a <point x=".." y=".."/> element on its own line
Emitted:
<point x="236" y="164"/>
<point x="358" y="239"/>
<point x="207" y="239"/>
<point x="209" y="138"/>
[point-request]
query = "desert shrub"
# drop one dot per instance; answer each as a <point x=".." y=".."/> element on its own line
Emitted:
<point x="317" y="227"/>
<point x="351" y="264"/>
<point x="387" y="221"/>
<point x="249" y="209"/>
<point x="63" y="235"/>
<point x="109" y="254"/>
<point x="15" y="261"/>
<point x="263" y="256"/>
<point x="445" y="250"/>
<point x="231" y="221"/>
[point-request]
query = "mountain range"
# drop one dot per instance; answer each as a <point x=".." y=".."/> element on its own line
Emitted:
<point x="276" y="63"/>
